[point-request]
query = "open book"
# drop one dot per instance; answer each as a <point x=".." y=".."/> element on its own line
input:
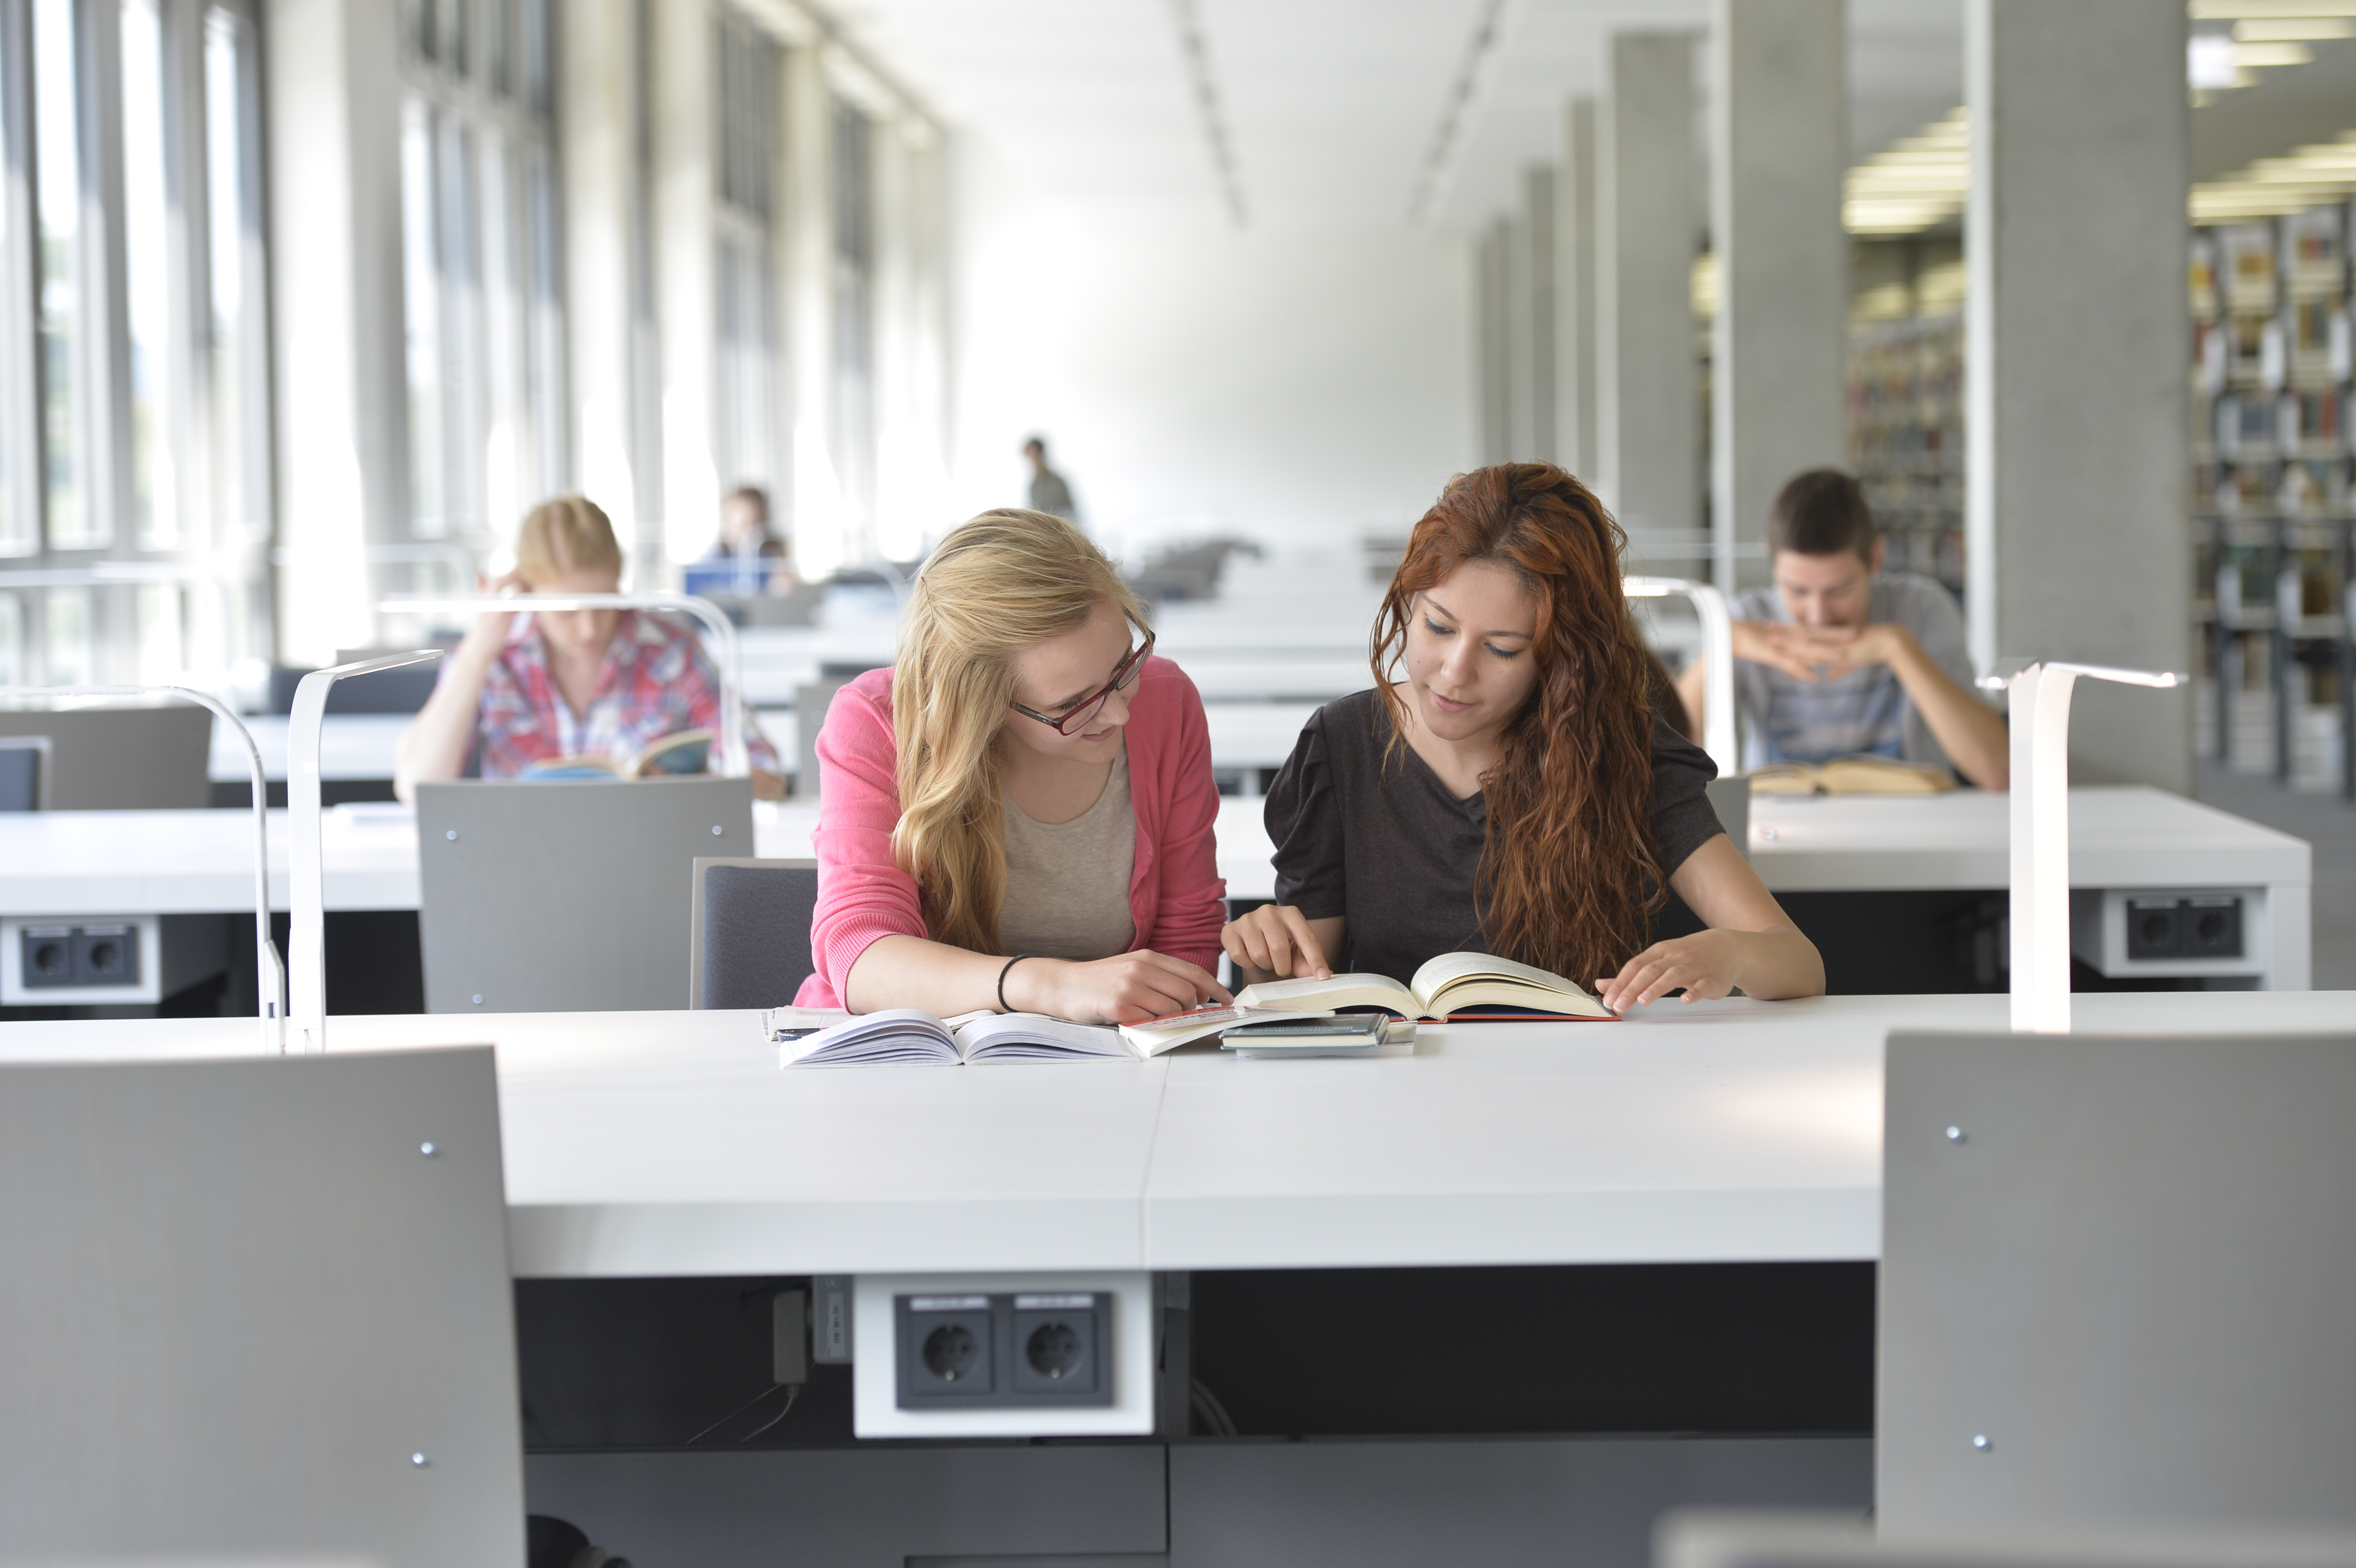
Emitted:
<point x="813" y="1037"/>
<point x="683" y="753"/>
<point x="1454" y="984"/>
<point x="1851" y="775"/>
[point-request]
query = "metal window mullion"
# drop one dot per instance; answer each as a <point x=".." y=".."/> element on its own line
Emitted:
<point x="20" y="430"/>
<point x="188" y="397"/>
<point x="105" y="347"/>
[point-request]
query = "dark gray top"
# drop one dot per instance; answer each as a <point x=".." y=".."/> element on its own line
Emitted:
<point x="1388" y="847"/>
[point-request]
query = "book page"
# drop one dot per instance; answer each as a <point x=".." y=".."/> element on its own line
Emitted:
<point x="1013" y="1037"/>
<point x="1449" y="969"/>
<point x="1341" y="991"/>
<point x="895" y="1036"/>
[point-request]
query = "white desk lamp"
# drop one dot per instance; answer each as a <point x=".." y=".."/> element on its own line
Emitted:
<point x="306" y="932"/>
<point x="1718" y="731"/>
<point x="268" y="973"/>
<point x="734" y="760"/>
<point x="2040" y="720"/>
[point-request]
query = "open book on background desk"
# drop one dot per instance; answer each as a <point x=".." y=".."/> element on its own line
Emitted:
<point x="676" y="754"/>
<point x="1466" y="987"/>
<point x="1851" y="775"/>
<point x="810" y="1037"/>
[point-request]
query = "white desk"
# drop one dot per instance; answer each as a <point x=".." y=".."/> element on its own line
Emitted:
<point x="670" y="1143"/>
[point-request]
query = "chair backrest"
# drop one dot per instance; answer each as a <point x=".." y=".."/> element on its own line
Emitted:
<point x="249" y="1319"/>
<point x="123" y="759"/>
<point x="24" y="773"/>
<point x="750" y="944"/>
<point x="565" y="897"/>
<point x="2119" y="1276"/>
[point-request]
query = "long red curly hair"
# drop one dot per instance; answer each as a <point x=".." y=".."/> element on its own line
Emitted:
<point x="1570" y="871"/>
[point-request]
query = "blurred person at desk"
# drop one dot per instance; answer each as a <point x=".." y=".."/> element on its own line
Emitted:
<point x="747" y="557"/>
<point x="1019" y="815"/>
<point x="1523" y="791"/>
<point x="526" y="688"/>
<point x="1841" y="658"/>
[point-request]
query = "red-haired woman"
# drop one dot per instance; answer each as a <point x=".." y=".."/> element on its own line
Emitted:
<point x="1520" y="792"/>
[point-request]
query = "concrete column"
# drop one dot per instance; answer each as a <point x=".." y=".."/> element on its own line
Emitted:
<point x="1530" y="263"/>
<point x="340" y="388"/>
<point x="1779" y="144"/>
<point x="1648" y="208"/>
<point x="1574" y="291"/>
<point x="597" y="118"/>
<point x="1496" y="371"/>
<point x="2075" y="325"/>
<point x="819" y="516"/>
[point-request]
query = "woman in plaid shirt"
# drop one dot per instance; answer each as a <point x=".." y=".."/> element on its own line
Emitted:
<point x="532" y="687"/>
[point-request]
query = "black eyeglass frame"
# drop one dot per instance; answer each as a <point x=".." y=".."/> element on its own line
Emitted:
<point x="1089" y="706"/>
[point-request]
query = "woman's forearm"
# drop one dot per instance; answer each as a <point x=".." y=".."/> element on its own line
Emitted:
<point x="1779" y="963"/>
<point x="435" y="746"/>
<point x="910" y="972"/>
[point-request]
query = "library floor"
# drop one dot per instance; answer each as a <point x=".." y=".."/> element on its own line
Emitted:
<point x="2327" y="823"/>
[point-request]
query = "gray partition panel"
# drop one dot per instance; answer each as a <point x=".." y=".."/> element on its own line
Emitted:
<point x="123" y="759"/>
<point x="566" y="897"/>
<point x="237" y="1299"/>
<point x="2123" y="1288"/>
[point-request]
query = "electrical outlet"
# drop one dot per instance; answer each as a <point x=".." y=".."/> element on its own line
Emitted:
<point x="1055" y="1339"/>
<point x="106" y="955"/>
<point x="949" y="1351"/>
<point x="789" y="1359"/>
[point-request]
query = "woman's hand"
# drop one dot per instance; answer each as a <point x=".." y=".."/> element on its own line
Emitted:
<point x="1708" y="964"/>
<point x="1126" y="989"/>
<point x="1277" y="940"/>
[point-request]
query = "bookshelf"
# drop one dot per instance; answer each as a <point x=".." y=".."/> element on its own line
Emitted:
<point x="1906" y="405"/>
<point x="2274" y="507"/>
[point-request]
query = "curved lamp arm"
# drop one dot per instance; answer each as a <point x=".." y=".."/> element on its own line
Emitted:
<point x="306" y="926"/>
<point x="2040" y="722"/>
<point x="734" y="759"/>
<point x="268" y="973"/>
<point x="1718" y="728"/>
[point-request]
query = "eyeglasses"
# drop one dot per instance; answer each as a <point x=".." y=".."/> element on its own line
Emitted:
<point x="1077" y="715"/>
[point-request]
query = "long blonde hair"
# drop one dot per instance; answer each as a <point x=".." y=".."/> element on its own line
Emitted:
<point x="1002" y="583"/>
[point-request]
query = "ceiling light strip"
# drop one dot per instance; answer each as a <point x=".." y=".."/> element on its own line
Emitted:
<point x="1456" y="113"/>
<point x="1188" y="14"/>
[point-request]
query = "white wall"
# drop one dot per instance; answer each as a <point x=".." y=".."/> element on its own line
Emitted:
<point x="1299" y="386"/>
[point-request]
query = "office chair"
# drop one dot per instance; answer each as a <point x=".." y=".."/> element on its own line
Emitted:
<point x="749" y="946"/>
<point x="2117" y="1275"/>
<point x="565" y="897"/>
<point x="257" y="1309"/>
<point x="24" y="773"/>
<point x="121" y="759"/>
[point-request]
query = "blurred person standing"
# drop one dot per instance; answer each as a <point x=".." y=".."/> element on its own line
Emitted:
<point x="1049" y="493"/>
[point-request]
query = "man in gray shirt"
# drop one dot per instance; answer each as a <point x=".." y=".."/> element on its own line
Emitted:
<point x="1841" y="658"/>
<point x="1049" y="493"/>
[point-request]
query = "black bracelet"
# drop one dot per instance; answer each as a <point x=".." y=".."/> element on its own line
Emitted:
<point x="1010" y="963"/>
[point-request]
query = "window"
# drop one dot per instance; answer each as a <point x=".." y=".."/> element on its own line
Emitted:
<point x="854" y="316"/>
<point x="747" y="138"/>
<point x="483" y="318"/>
<point x="133" y="373"/>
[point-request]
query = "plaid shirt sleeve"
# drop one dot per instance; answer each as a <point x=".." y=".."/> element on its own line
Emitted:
<point x="682" y="679"/>
<point x="656" y="683"/>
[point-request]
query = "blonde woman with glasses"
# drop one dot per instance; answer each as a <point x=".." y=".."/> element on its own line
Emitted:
<point x="1019" y="815"/>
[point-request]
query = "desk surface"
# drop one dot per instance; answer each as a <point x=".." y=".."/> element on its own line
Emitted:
<point x="182" y="862"/>
<point x="656" y="1144"/>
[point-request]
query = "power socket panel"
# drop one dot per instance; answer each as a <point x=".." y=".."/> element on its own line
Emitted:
<point x="1003" y="1350"/>
<point x="1048" y="1353"/>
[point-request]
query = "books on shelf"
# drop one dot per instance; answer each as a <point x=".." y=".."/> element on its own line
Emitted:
<point x="1458" y="987"/>
<point x="1851" y="775"/>
<point x="675" y="755"/>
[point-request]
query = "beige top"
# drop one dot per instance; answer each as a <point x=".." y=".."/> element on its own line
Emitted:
<point x="1067" y="882"/>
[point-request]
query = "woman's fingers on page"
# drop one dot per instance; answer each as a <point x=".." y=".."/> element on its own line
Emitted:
<point x="1197" y="982"/>
<point x="1305" y="941"/>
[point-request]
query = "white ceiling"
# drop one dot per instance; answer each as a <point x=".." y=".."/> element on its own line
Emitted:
<point x="1333" y="105"/>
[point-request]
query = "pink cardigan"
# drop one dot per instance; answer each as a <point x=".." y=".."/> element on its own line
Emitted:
<point x="1176" y="895"/>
